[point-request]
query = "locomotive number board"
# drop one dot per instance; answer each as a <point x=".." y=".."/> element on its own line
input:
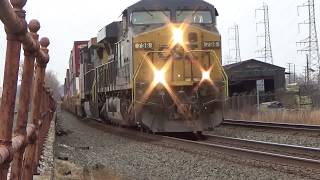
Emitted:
<point x="143" y="45"/>
<point x="211" y="44"/>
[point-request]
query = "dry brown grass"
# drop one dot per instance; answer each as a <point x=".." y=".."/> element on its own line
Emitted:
<point x="285" y="116"/>
<point x="65" y="170"/>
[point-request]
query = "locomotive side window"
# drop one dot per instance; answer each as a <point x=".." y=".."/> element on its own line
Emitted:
<point x="150" y="17"/>
<point x="198" y="17"/>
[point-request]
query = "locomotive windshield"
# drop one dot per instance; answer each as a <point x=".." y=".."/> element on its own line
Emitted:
<point x="150" y="17"/>
<point x="198" y="17"/>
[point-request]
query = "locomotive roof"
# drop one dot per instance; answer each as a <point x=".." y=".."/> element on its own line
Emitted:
<point x="170" y="4"/>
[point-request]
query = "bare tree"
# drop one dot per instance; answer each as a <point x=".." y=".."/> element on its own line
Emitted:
<point x="300" y="79"/>
<point x="52" y="82"/>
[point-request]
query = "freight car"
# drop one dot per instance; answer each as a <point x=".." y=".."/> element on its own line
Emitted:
<point x="72" y="101"/>
<point x="158" y="69"/>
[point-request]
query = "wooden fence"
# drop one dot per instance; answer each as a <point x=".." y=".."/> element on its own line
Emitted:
<point x="289" y="100"/>
<point x="20" y="147"/>
<point x="247" y="102"/>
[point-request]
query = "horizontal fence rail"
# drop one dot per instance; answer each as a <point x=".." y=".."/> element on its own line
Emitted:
<point x="20" y="148"/>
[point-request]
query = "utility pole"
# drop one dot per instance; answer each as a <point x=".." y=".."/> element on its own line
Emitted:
<point x="310" y="44"/>
<point x="305" y="75"/>
<point x="294" y="73"/>
<point x="235" y="39"/>
<point x="308" y="70"/>
<point x="266" y="52"/>
<point x="289" y="81"/>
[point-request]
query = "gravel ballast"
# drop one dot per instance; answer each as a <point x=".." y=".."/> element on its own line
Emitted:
<point x="126" y="158"/>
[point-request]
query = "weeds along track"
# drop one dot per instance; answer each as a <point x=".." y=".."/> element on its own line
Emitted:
<point x="271" y="125"/>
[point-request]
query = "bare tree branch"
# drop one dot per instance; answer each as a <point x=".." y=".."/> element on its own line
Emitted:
<point x="52" y="82"/>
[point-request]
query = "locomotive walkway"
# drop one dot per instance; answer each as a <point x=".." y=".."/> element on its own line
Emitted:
<point x="92" y="149"/>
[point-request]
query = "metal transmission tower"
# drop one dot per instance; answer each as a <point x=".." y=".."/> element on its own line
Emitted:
<point x="235" y="40"/>
<point x="311" y="45"/>
<point x="266" y="52"/>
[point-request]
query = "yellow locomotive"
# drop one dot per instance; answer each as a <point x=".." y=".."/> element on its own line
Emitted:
<point x="160" y="68"/>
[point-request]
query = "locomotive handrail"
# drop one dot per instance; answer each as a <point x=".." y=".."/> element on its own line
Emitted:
<point x="100" y="66"/>
<point x="92" y="70"/>
<point x="20" y="150"/>
<point x="135" y="75"/>
<point x="226" y="79"/>
<point x="93" y="87"/>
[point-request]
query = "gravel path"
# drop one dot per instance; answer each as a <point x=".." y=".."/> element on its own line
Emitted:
<point x="308" y="139"/>
<point x="46" y="168"/>
<point x="47" y="159"/>
<point x="127" y="158"/>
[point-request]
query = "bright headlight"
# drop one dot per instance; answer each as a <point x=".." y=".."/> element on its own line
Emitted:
<point x="159" y="76"/>
<point x="177" y="36"/>
<point x="206" y="75"/>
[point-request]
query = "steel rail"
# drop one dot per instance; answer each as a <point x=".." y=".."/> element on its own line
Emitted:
<point x="287" y="126"/>
<point x="303" y="152"/>
<point x="273" y="158"/>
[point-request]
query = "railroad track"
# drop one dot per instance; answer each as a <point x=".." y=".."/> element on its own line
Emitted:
<point x="285" y="126"/>
<point x="275" y="148"/>
<point x="278" y="154"/>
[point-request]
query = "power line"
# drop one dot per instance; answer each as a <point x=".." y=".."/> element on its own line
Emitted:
<point x="266" y="51"/>
<point x="311" y="45"/>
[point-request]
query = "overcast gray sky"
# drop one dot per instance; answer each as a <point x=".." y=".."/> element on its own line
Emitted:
<point x="67" y="21"/>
